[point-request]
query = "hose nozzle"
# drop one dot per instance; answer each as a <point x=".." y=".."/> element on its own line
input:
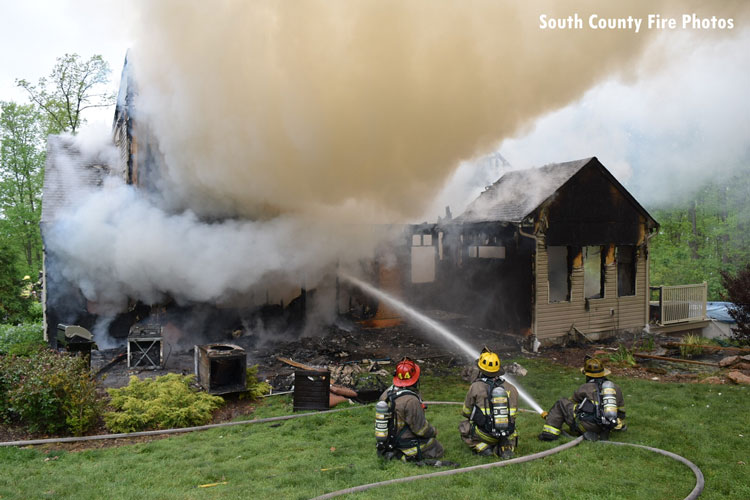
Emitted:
<point x="544" y="415"/>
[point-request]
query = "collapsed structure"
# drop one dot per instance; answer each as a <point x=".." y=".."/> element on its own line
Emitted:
<point x="542" y="253"/>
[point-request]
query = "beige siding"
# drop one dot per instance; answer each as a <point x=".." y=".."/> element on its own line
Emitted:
<point x="552" y="321"/>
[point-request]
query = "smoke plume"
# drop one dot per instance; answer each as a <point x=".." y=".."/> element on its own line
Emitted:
<point x="294" y="123"/>
<point x="269" y="107"/>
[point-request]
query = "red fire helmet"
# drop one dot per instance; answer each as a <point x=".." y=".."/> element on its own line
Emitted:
<point x="407" y="373"/>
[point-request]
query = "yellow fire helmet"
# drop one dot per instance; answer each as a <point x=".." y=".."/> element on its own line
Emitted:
<point x="594" y="368"/>
<point x="489" y="363"/>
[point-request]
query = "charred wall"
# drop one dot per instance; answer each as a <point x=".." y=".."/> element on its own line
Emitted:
<point x="483" y="272"/>
<point x="591" y="210"/>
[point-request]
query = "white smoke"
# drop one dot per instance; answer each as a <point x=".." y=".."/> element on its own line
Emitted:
<point x="288" y="128"/>
<point x="663" y="135"/>
<point x="117" y="244"/>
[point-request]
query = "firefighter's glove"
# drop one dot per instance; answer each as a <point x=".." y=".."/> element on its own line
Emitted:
<point x="544" y="415"/>
<point x="621" y="426"/>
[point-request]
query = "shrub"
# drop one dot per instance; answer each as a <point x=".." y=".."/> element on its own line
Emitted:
<point x="738" y="292"/>
<point x="48" y="392"/>
<point x="161" y="403"/>
<point x="255" y="387"/>
<point x="36" y="312"/>
<point x="693" y="344"/>
<point x="647" y="343"/>
<point x="622" y="356"/>
<point x="22" y="339"/>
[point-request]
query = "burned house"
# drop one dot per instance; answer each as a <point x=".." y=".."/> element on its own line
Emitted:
<point x="550" y="252"/>
<point x="74" y="174"/>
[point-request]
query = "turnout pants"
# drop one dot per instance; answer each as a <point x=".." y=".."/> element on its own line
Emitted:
<point x="479" y="441"/>
<point x="564" y="411"/>
<point x="430" y="448"/>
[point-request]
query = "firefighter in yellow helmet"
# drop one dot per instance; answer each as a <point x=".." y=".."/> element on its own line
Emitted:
<point x="410" y="436"/>
<point x="596" y="408"/>
<point x="490" y="409"/>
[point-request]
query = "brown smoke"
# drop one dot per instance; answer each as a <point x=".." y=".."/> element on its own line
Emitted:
<point x="363" y="107"/>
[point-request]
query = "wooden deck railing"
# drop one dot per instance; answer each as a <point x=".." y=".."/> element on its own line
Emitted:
<point x="678" y="304"/>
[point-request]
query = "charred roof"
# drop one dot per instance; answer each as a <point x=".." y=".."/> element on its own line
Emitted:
<point x="520" y="193"/>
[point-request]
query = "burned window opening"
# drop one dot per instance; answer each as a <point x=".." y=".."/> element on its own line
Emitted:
<point x="558" y="274"/>
<point x="626" y="270"/>
<point x="485" y="246"/>
<point x="421" y="240"/>
<point x="593" y="272"/>
<point x="423" y="254"/>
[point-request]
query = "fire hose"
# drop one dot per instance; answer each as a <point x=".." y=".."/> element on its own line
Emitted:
<point x="695" y="493"/>
<point x="699" y="480"/>
<point x="526" y="458"/>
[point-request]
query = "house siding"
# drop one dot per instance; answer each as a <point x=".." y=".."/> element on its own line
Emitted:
<point x="553" y="321"/>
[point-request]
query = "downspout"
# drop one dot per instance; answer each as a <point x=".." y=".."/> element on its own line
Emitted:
<point x="647" y="300"/>
<point x="534" y="340"/>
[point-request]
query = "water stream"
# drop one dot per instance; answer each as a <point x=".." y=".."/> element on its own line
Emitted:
<point x="422" y="320"/>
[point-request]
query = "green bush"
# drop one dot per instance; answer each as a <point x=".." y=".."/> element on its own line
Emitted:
<point x="161" y="403"/>
<point x="255" y="387"/>
<point x="623" y="357"/>
<point x="22" y="339"/>
<point x="48" y="392"/>
<point x="36" y="312"/>
<point x="693" y="345"/>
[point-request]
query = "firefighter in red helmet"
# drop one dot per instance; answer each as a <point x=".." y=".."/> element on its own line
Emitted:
<point x="596" y="408"/>
<point x="490" y="409"/>
<point x="410" y="436"/>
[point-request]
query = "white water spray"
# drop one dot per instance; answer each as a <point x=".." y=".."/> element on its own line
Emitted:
<point x="436" y="327"/>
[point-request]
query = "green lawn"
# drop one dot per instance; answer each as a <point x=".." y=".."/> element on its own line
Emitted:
<point x="306" y="457"/>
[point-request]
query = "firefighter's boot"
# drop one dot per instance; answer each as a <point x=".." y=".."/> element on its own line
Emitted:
<point x="548" y="436"/>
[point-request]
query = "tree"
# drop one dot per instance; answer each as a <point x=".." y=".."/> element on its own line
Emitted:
<point x="705" y="234"/>
<point x="13" y="307"/>
<point x="22" y="159"/>
<point x="738" y="292"/>
<point x="73" y="86"/>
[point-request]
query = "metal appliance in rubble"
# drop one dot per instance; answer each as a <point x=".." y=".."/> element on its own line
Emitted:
<point x="145" y="347"/>
<point x="221" y="368"/>
<point x="76" y="339"/>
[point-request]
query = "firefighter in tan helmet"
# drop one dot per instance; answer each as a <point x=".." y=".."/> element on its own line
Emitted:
<point x="490" y="409"/>
<point x="406" y="433"/>
<point x="596" y="408"/>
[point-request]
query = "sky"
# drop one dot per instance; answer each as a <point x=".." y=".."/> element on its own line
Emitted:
<point x="36" y="32"/>
<point x="661" y="129"/>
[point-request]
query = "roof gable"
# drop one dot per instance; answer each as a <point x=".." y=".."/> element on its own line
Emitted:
<point x="519" y="193"/>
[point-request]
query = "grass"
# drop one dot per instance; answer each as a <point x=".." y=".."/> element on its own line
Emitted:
<point x="310" y="456"/>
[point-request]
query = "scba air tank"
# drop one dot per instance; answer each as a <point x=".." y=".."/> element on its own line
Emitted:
<point x="609" y="400"/>
<point x="500" y="411"/>
<point x="382" y="415"/>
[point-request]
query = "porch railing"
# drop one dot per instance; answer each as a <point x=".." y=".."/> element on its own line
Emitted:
<point x="678" y="304"/>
